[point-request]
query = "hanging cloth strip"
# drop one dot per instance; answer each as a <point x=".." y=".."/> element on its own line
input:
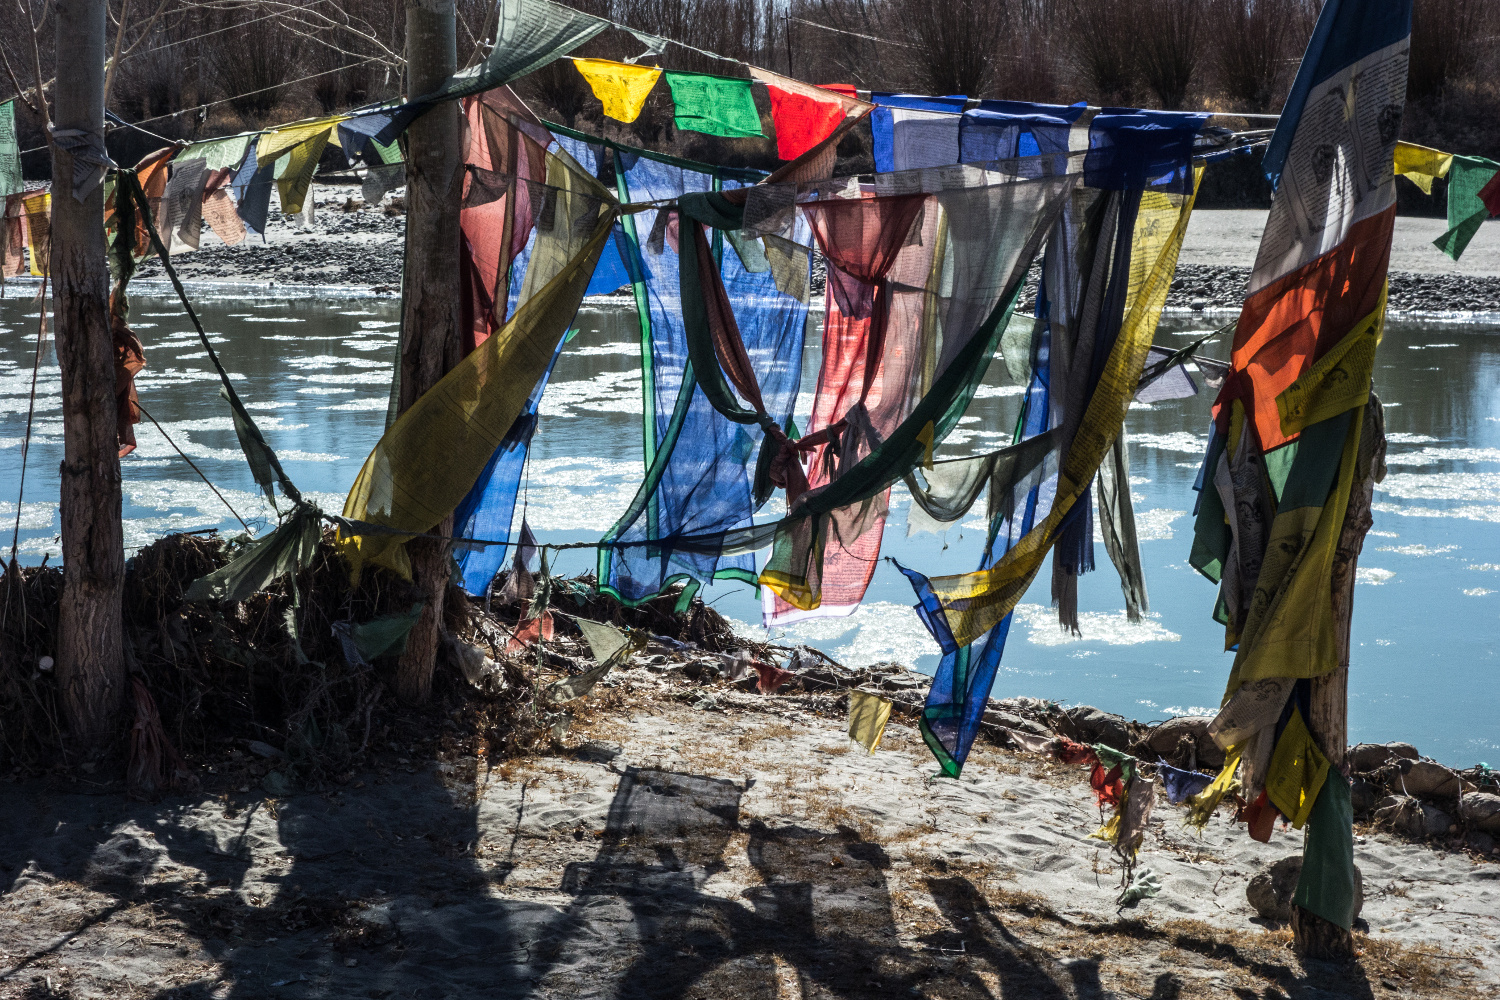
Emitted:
<point x="407" y="485"/>
<point x="699" y="484"/>
<point x="1468" y="179"/>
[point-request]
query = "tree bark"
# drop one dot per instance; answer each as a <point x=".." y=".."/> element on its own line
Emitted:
<point x="430" y="317"/>
<point x="90" y="659"/>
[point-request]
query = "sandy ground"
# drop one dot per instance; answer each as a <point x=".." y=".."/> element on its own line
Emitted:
<point x="689" y="843"/>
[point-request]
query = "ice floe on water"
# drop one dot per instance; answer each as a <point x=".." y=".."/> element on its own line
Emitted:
<point x="329" y="361"/>
<point x="994" y="391"/>
<point x="382" y="377"/>
<point x="1178" y="711"/>
<point x="592" y="350"/>
<point x="1458" y="487"/>
<point x="609" y="392"/>
<point x="877" y="632"/>
<point x="1432" y="456"/>
<point x="1477" y="592"/>
<point x="1469" y="512"/>
<point x="1402" y="437"/>
<point x="1153" y="525"/>
<point x="36" y="515"/>
<point x="1373" y="575"/>
<point x="1110" y="627"/>
<point x="364" y="403"/>
<point x="324" y="390"/>
<point x="1184" y="441"/>
<point x="577" y="494"/>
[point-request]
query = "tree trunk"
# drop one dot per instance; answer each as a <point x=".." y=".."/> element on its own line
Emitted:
<point x="430" y="344"/>
<point x="90" y="660"/>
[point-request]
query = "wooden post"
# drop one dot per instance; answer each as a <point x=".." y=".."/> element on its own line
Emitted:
<point x="430" y="308"/>
<point x="90" y="659"/>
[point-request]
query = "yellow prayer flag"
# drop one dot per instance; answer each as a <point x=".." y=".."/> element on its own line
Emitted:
<point x="1297" y="772"/>
<point x="38" y="208"/>
<point x="1421" y="164"/>
<point x="276" y="142"/>
<point x="868" y="714"/>
<point x="621" y="87"/>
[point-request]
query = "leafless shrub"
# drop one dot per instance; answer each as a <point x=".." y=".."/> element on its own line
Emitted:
<point x="1250" y="43"/>
<point x="1103" y="36"/>
<point x="956" y="42"/>
<point x="1445" y="43"/>
<point x="1168" y="46"/>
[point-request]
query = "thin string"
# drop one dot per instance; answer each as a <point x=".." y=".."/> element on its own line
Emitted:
<point x="195" y="468"/>
<point x="36" y="366"/>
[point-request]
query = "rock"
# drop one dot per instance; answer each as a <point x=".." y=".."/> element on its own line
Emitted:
<point x="1481" y="842"/>
<point x="996" y="717"/>
<point x="1481" y="810"/>
<point x="1362" y="796"/>
<point x="1367" y="757"/>
<point x="1408" y="815"/>
<point x="822" y="678"/>
<point x="1165" y="739"/>
<point x="1271" y="891"/>
<point x="1087" y="724"/>
<point x="903" y="682"/>
<point x="702" y="670"/>
<point x="1426" y="779"/>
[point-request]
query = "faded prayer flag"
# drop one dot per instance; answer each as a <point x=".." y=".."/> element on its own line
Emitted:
<point x="1467" y="178"/>
<point x="620" y="87"/>
<point x="714" y="105"/>
<point x="10" y="151"/>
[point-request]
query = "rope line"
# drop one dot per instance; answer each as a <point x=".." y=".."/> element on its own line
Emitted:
<point x="195" y="468"/>
<point x="36" y="366"/>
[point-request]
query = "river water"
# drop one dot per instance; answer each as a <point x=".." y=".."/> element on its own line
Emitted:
<point x="316" y="373"/>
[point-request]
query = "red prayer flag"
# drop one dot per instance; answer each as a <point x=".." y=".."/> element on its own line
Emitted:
<point x="805" y="115"/>
<point x="847" y="89"/>
<point x="1490" y="195"/>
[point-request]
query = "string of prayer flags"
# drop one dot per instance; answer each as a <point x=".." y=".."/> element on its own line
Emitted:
<point x="868" y="714"/>
<point x="714" y="105"/>
<point x="1421" y="164"/>
<point x="620" y="87"/>
<point x="1468" y="179"/>
<point x="805" y="115"/>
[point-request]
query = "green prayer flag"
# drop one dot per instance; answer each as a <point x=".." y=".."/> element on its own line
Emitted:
<point x="217" y="154"/>
<point x="1465" y="211"/>
<point x="386" y="634"/>
<point x="714" y="105"/>
<point x="1327" y="886"/>
<point x="288" y="549"/>
<point x="10" y="151"/>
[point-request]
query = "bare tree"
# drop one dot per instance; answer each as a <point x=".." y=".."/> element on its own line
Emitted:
<point x="1445" y="43"/>
<point x="957" y="42"/>
<point x="1102" y="36"/>
<point x="1167" y="36"/>
<point x="90" y="657"/>
<point x="1250" y="44"/>
<point x="430" y="345"/>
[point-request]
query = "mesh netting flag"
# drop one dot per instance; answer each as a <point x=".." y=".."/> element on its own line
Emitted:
<point x="698" y="481"/>
<point x="1108" y="266"/>
<point x="432" y="455"/>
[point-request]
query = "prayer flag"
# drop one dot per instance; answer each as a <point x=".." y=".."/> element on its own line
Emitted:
<point x="620" y="87"/>
<point x="714" y="105"/>
<point x="805" y="115"/>
<point x="1285" y="451"/>
<point x="1467" y="210"/>
<point x="868" y="714"/>
<point x="1421" y="165"/>
<point x="10" y="153"/>
<point x="217" y="154"/>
